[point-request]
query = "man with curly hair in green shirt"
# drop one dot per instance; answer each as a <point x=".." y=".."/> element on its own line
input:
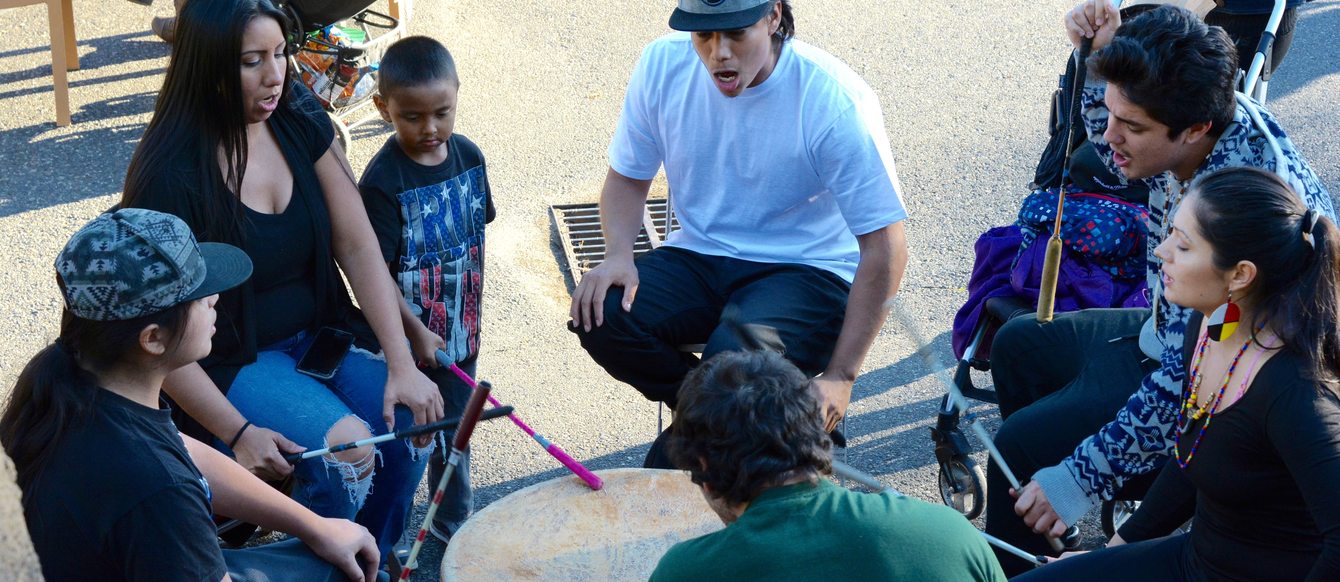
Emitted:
<point x="748" y="431"/>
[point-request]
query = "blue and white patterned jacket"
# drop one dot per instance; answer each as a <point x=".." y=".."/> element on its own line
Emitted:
<point x="1142" y="434"/>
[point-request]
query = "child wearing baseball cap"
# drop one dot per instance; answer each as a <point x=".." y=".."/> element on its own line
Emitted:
<point x="111" y="489"/>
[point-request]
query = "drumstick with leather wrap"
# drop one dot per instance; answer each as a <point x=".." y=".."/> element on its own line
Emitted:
<point x="550" y="447"/>
<point x="469" y="418"/>
<point x="406" y="433"/>
<point x="1051" y="262"/>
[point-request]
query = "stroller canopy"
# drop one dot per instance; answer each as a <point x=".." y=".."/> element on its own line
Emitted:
<point x="315" y="14"/>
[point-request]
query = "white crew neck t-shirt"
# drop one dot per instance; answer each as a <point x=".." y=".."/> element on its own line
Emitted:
<point x="790" y="171"/>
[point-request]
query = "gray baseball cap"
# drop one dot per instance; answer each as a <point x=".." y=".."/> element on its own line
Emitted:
<point x="710" y="15"/>
<point x="135" y="262"/>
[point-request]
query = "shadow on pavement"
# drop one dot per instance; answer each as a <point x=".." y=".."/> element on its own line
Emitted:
<point x="87" y="159"/>
<point x="907" y="370"/>
<point x="95" y="53"/>
<point x="72" y="165"/>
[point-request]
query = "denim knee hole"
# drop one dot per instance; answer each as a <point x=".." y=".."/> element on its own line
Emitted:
<point x="357" y="475"/>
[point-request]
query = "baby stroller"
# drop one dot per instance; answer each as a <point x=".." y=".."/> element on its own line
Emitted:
<point x="962" y="482"/>
<point x="336" y="47"/>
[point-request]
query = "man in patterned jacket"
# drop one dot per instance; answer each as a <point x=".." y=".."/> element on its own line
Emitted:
<point x="1160" y="108"/>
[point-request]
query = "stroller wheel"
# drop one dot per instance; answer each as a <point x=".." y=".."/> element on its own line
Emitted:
<point x="342" y="133"/>
<point x="963" y="486"/>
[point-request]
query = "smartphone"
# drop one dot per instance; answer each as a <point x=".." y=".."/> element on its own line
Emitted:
<point x="324" y="356"/>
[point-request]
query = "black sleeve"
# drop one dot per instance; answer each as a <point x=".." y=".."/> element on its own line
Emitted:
<point x="1170" y="502"/>
<point x="314" y="126"/>
<point x="167" y="537"/>
<point x="489" y="212"/>
<point x="384" y="214"/>
<point x="1303" y="426"/>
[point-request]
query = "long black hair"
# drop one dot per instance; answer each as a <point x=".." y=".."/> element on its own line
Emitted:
<point x="1248" y="214"/>
<point x="200" y="113"/>
<point x="57" y="388"/>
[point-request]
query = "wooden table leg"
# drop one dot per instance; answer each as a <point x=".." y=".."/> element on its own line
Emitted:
<point x="71" y="44"/>
<point x="60" y="83"/>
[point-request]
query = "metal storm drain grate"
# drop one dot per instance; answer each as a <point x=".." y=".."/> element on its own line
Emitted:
<point x="584" y="245"/>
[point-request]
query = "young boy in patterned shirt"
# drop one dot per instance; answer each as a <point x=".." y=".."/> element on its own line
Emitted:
<point x="427" y="195"/>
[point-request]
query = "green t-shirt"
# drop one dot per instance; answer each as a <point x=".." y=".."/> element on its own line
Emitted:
<point x="804" y="532"/>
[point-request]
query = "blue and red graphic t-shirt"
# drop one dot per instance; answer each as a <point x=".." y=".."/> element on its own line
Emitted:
<point x="430" y="225"/>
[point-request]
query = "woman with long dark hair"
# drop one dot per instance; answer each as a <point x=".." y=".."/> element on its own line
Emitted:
<point x="245" y="155"/>
<point x="111" y="490"/>
<point x="1256" y="446"/>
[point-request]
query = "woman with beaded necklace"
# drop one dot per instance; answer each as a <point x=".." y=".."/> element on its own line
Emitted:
<point x="1257" y="442"/>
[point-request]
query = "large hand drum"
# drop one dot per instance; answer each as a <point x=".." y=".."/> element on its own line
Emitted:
<point x="562" y="530"/>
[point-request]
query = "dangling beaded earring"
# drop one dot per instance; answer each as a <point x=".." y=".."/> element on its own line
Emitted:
<point x="1224" y="320"/>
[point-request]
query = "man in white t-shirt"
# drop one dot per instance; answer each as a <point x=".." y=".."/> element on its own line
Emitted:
<point x="788" y="203"/>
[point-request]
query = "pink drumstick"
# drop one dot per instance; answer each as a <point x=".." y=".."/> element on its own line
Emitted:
<point x="554" y="450"/>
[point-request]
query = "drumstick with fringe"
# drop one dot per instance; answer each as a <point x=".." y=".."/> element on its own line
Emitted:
<point x="1051" y="261"/>
<point x="408" y="432"/>
<point x="845" y="470"/>
<point x="469" y="418"/>
<point x="550" y="447"/>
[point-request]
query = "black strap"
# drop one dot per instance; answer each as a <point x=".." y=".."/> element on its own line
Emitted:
<point x="238" y="436"/>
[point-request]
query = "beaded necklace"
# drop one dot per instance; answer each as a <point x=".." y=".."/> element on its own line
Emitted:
<point x="1189" y="400"/>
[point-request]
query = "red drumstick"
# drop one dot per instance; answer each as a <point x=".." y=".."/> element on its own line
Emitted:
<point x="468" y="420"/>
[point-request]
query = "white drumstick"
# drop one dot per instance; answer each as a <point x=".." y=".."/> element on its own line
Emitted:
<point x="927" y="353"/>
<point x="845" y="470"/>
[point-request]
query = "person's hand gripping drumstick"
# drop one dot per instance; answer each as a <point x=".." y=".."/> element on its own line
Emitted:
<point x="405" y="433"/>
<point x="1032" y="505"/>
<point x="473" y="409"/>
<point x="927" y="352"/>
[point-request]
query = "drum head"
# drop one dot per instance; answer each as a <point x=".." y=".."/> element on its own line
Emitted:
<point x="562" y="530"/>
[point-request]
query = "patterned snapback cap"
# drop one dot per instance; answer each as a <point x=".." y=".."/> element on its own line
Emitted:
<point x="135" y="262"/>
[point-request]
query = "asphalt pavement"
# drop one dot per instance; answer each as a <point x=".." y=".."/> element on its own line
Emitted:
<point x="964" y="87"/>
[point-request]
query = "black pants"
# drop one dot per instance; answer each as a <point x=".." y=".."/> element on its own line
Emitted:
<point x="1058" y="383"/>
<point x="1246" y="29"/>
<point x="458" y="499"/>
<point x="684" y="297"/>
<point x="1165" y="559"/>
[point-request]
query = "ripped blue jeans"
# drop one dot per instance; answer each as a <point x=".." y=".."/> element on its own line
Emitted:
<point x="376" y="492"/>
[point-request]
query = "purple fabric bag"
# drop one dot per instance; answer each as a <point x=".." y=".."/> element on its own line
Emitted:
<point x="1001" y="268"/>
<point x="995" y="251"/>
